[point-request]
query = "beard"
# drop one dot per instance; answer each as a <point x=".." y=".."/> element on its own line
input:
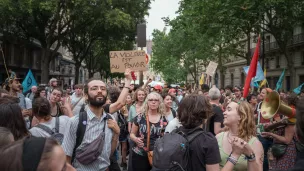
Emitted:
<point x="94" y="101"/>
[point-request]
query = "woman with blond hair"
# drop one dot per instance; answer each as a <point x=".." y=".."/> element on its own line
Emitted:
<point x="240" y="124"/>
<point x="153" y="114"/>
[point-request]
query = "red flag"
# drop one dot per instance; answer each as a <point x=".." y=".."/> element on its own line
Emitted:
<point x="252" y="69"/>
<point x="147" y="58"/>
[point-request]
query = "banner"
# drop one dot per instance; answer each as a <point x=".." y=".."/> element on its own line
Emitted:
<point x="259" y="73"/>
<point x="252" y="72"/>
<point x="211" y="68"/>
<point x="28" y="82"/>
<point x="136" y="60"/>
<point x="280" y="81"/>
<point x="298" y="89"/>
<point x="202" y="79"/>
<point x="265" y="80"/>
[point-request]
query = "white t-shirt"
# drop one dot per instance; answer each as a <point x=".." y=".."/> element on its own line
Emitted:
<point x="170" y="117"/>
<point x="173" y="124"/>
<point x="74" y="100"/>
<point x="28" y="103"/>
<point x="64" y="124"/>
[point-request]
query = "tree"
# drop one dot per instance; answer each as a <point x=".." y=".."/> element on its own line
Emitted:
<point x="97" y="22"/>
<point x="50" y="21"/>
<point x="45" y="21"/>
<point x="113" y="22"/>
<point x="280" y="19"/>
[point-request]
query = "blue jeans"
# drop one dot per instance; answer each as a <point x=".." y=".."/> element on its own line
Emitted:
<point x="267" y="143"/>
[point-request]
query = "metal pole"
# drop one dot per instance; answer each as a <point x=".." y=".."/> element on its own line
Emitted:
<point x="263" y="38"/>
<point x="141" y="74"/>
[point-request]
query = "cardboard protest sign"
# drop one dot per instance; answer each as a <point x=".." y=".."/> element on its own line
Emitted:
<point x="211" y="68"/>
<point x="121" y="60"/>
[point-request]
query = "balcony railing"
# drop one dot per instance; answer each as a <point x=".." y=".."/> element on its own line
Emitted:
<point x="297" y="39"/>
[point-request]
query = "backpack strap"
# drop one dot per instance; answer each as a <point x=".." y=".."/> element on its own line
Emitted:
<point x="45" y="128"/>
<point x="80" y="131"/>
<point x="57" y="125"/>
<point x="190" y="136"/>
<point x="173" y="113"/>
<point x="82" y="109"/>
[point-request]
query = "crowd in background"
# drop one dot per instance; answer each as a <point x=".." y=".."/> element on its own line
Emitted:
<point x="49" y="128"/>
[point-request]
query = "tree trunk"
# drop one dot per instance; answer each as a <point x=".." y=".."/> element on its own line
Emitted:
<point x="77" y="66"/>
<point x="91" y="74"/>
<point x="248" y="56"/>
<point x="45" y="65"/>
<point x="221" y="68"/>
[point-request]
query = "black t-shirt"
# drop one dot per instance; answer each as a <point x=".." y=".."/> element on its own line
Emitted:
<point x="216" y="117"/>
<point x="204" y="150"/>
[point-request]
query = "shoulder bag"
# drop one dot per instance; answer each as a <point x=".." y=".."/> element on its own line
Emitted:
<point x="150" y="153"/>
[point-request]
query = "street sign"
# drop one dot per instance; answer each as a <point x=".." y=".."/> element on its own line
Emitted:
<point x="121" y="60"/>
<point x="211" y="68"/>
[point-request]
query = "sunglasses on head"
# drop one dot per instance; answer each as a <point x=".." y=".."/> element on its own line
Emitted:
<point x="153" y="100"/>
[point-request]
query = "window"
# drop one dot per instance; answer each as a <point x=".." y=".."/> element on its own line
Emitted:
<point x="278" y="62"/>
<point x="232" y="78"/>
<point x="242" y="78"/>
<point x="267" y="39"/>
<point x="267" y="63"/>
<point x="302" y="58"/>
<point x="287" y="83"/>
<point x="301" y="79"/>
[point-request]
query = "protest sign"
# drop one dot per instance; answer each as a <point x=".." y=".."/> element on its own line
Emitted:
<point x="121" y="60"/>
<point x="211" y="68"/>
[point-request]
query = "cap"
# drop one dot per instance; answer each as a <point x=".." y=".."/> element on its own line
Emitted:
<point x="158" y="87"/>
<point x="13" y="76"/>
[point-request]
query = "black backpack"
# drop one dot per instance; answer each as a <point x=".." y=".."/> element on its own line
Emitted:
<point x="172" y="152"/>
<point x="54" y="134"/>
<point x="122" y="123"/>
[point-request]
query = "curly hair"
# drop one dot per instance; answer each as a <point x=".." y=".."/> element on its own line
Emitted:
<point x="193" y="110"/>
<point x="161" y="107"/>
<point x="113" y="93"/>
<point x="246" y="128"/>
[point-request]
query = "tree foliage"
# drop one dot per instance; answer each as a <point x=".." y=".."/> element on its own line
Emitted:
<point x="78" y="25"/>
<point x="220" y="29"/>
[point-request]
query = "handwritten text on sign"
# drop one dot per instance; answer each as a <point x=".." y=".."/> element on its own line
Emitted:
<point x="211" y="68"/>
<point x="121" y="60"/>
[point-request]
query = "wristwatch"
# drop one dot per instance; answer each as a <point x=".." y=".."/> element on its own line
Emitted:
<point x="251" y="157"/>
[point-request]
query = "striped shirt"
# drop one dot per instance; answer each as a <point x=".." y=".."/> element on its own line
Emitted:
<point x="93" y="129"/>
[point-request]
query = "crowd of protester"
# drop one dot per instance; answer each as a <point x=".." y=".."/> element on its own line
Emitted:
<point x="110" y="127"/>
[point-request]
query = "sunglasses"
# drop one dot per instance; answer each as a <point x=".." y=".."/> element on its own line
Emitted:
<point x="153" y="100"/>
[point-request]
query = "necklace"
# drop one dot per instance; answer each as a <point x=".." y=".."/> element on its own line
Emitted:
<point x="229" y="139"/>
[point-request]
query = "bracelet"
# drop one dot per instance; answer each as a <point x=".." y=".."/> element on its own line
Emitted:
<point x="251" y="157"/>
<point x="232" y="160"/>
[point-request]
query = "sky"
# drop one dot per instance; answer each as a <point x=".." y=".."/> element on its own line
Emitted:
<point x="159" y="9"/>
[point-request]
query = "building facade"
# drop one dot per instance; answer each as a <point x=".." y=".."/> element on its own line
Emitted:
<point x="20" y="57"/>
<point x="275" y="62"/>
